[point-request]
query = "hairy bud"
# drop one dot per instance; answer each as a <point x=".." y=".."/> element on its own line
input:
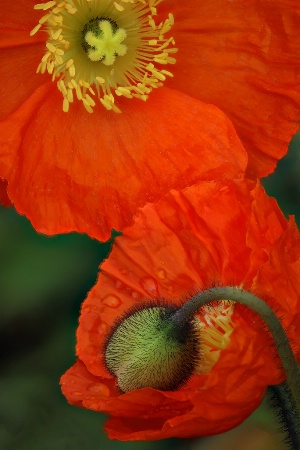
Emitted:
<point x="149" y="349"/>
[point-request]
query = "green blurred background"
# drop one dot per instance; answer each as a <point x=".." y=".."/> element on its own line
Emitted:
<point x="43" y="281"/>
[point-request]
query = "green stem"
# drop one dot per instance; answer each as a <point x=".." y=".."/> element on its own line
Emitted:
<point x="257" y="305"/>
<point x="287" y="414"/>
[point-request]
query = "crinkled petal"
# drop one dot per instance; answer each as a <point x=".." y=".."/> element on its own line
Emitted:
<point x="90" y="172"/>
<point x="243" y="56"/>
<point x="148" y="414"/>
<point x="286" y="256"/>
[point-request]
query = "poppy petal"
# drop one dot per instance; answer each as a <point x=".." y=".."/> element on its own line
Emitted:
<point x="244" y="58"/>
<point x="93" y="177"/>
<point x="18" y="15"/>
<point x="149" y="414"/>
<point x="4" y="200"/>
<point x="18" y="85"/>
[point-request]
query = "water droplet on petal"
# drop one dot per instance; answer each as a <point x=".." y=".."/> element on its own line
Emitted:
<point x="161" y="274"/>
<point x="103" y="328"/>
<point x="112" y="301"/>
<point x="119" y="285"/>
<point x="99" y="389"/>
<point x="134" y="295"/>
<point x="93" y="406"/>
<point x="170" y="290"/>
<point x="150" y="285"/>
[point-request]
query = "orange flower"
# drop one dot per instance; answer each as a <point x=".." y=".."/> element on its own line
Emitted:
<point x="90" y="172"/>
<point x="224" y="233"/>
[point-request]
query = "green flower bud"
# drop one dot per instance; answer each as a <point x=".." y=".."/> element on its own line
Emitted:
<point x="148" y="349"/>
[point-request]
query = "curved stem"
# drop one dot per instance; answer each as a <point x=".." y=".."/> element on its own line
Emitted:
<point x="257" y="305"/>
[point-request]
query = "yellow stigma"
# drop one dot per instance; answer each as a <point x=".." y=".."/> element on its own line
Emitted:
<point x="103" y="49"/>
<point x="106" y="44"/>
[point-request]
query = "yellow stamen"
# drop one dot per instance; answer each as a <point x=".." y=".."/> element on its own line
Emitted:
<point x="216" y="327"/>
<point x="65" y="105"/>
<point x="45" y="6"/>
<point x="118" y="6"/>
<point x="104" y="47"/>
<point x="35" y="29"/>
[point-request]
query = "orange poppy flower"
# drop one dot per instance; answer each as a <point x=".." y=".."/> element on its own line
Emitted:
<point x="224" y="233"/>
<point x="75" y="171"/>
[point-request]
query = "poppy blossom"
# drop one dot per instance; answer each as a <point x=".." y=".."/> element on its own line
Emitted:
<point x="74" y="164"/>
<point x="227" y="233"/>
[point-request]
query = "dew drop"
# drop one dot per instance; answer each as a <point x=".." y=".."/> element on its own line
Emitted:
<point x="134" y="295"/>
<point x="99" y="389"/>
<point x="119" y="285"/>
<point x="161" y="273"/>
<point x="112" y="301"/>
<point x="149" y="284"/>
<point x="93" y="406"/>
<point x="170" y="290"/>
<point x="103" y="328"/>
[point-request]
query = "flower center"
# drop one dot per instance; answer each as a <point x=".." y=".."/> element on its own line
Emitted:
<point x="102" y="40"/>
<point x="103" y="49"/>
